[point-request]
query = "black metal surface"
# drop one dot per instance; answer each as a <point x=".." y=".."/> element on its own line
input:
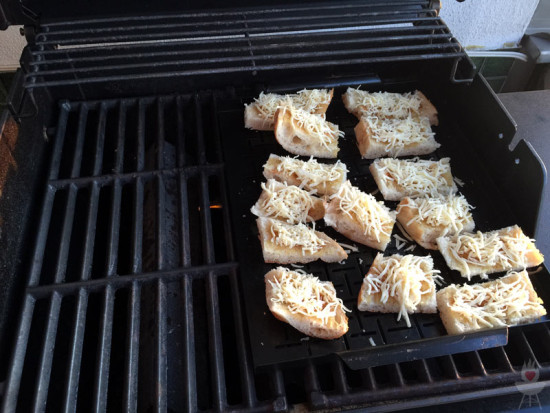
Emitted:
<point x="150" y="316"/>
<point x="273" y="342"/>
<point x="118" y="57"/>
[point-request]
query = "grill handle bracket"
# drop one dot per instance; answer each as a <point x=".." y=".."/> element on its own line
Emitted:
<point x="423" y="349"/>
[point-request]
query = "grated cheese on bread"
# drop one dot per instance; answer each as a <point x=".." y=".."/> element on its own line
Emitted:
<point x="315" y="177"/>
<point x="360" y="217"/>
<point x="287" y="203"/>
<point x="389" y="105"/>
<point x="399" y="284"/>
<point x="508" y="301"/>
<point x="306" y="303"/>
<point x="485" y="253"/>
<point x="302" y="133"/>
<point x="427" y="218"/>
<point x="260" y="114"/>
<point x="397" y="178"/>
<point x="378" y="136"/>
<point x="283" y="243"/>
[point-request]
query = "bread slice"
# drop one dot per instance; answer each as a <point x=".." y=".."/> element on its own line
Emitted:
<point x="507" y="249"/>
<point x="319" y="178"/>
<point x="379" y="137"/>
<point x="397" y="179"/>
<point x="508" y="301"/>
<point x="290" y="244"/>
<point x="399" y="284"/>
<point x="389" y="105"/>
<point x="303" y="133"/>
<point x="306" y="303"/>
<point x="260" y="114"/>
<point x="287" y="203"/>
<point x="360" y="217"/>
<point x="426" y="219"/>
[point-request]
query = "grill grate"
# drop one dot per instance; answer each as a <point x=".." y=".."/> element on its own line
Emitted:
<point x="111" y="55"/>
<point x="133" y="299"/>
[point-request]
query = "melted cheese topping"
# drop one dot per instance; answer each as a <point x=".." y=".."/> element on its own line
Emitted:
<point x="300" y="235"/>
<point x="451" y="211"/>
<point x="498" y="250"/>
<point x="314" y="128"/>
<point x="288" y="203"/>
<point x="305" y="294"/>
<point x="416" y="177"/>
<point x="312" y="174"/>
<point x="309" y="100"/>
<point x="406" y="279"/>
<point x="398" y="133"/>
<point x="390" y="105"/>
<point x="496" y="303"/>
<point x="374" y="218"/>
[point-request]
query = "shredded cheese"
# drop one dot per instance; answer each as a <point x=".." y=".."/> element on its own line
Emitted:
<point x="285" y="202"/>
<point x="312" y="175"/>
<point x="397" y="134"/>
<point x="305" y="294"/>
<point x="350" y="247"/>
<point x="374" y="218"/>
<point x="502" y="302"/>
<point x="300" y="235"/>
<point x="313" y="128"/>
<point x="416" y="177"/>
<point x="309" y="100"/>
<point x="405" y="279"/>
<point x="402" y="230"/>
<point x="474" y="254"/>
<point x="391" y="105"/>
<point x="451" y="212"/>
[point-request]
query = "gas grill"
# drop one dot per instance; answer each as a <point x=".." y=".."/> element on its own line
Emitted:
<point x="129" y="258"/>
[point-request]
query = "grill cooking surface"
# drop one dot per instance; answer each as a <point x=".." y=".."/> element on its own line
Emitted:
<point x="133" y="298"/>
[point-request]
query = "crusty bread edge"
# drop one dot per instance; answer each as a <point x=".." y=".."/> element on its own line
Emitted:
<point x="310" y="326"/>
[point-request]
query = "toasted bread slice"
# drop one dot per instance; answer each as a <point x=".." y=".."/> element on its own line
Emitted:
<point x="507" y="249"/>
<point x="302" y="133"/>
<point x="378" y="137"/>
<point x="322" y="179"/>
<point x="360" y="217"/>
<point x="399" y="284"/>
<point x="389" y="105"/>
<point x="397" y="178"/>
<point x="290" y="244"/>
<point x="287" y="203"/>
<point x="427" y="109"/>
<point x="260" y="114"/>
<point x="508" y="301"/>
<point x="306" y="303"/>
<point x="426" y="219"/>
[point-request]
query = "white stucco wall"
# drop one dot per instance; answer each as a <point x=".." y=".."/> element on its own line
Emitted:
<point x="11" y="45"/>
<point x="488" y="24"/>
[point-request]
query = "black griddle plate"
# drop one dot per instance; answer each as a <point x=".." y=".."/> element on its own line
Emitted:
<point x="273" y="341"/>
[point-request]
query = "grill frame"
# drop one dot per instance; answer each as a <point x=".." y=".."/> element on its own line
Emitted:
<point x="328" y="385"/>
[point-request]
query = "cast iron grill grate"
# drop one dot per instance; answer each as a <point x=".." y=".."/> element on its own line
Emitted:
<point x="134" y="300"/>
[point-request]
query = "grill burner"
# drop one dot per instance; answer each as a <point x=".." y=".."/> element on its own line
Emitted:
<point x="134" y="296"/>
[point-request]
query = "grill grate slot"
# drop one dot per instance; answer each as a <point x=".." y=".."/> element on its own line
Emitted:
<point x="75" y="353"/>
